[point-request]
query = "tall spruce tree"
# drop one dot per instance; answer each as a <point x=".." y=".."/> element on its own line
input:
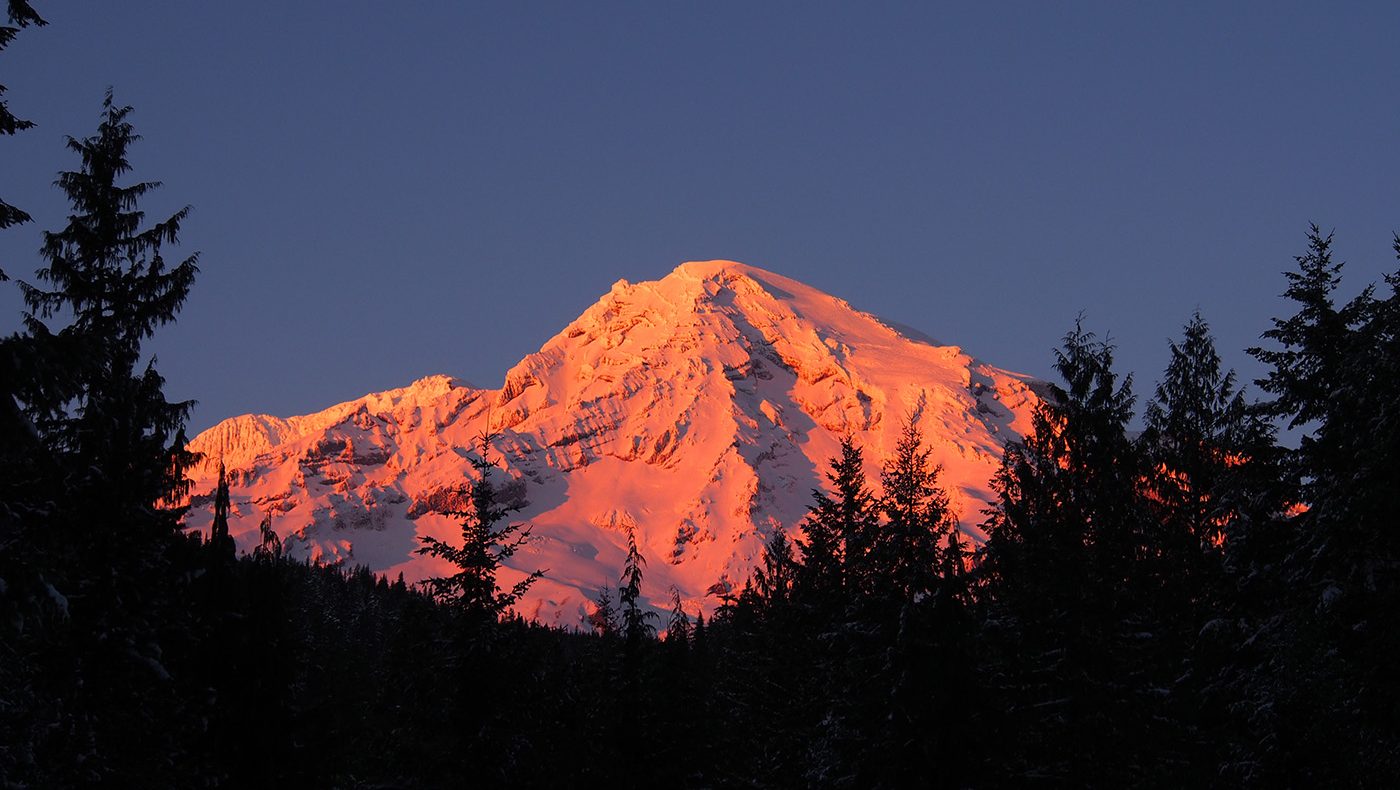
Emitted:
<point x="1334" y="376"/>
<point x="917" y="519"/>
<point x="21" y="15"/>
<point x="106" y="462"/>
<point x="1060" y="575"/>
<point x="840" y="530"/>
<point x="1212" y="464"/>
<point x="110" y="275"/>
<point x="636" y="620"/>
<point x="486" y="544"/>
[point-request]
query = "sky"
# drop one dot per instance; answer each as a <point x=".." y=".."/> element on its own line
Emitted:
<point x="383" y="191"/>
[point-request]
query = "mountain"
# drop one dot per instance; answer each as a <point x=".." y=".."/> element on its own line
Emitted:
<point x="701" y="409"/>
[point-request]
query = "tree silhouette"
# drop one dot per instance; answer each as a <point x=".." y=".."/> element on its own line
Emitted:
<point x="486" y="544"/>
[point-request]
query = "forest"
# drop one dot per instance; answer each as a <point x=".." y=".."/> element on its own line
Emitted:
<point x="1194" y="603"/>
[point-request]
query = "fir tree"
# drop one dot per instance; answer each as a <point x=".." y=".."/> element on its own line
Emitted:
<point x="112" y="278"/>
<point x="603" y="618"/>
<point x="773" y="578"/>
<point x="219" y="538"/>
<point x="21" y="15"/>
<point x="917" y="520"/>
<point x="486" y="544"/>
<point x="1059" y="574"/>
<point x="678" y="624"/>
<point x="1305" y="371"/>
<point x="840" y="532"/>
<point x="269" y="546"/>
<point x="636" y="625"/>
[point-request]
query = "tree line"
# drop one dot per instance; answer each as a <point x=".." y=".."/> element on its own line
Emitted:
<point x="1192" y="605"/>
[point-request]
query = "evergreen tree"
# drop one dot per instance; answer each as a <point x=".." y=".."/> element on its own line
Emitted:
<point x="219" y="538"/>
<point x="1060" y="576"/>
<point x="1304" y="668"/>
<point x="636" y="626"/>
<point x="103" y="463"/>
<point x="486" y="544"/>
<point x="21" y="15"/>
<point x="840" y="531"/>
<point x="678" y="624"/>
<point x="603" y="619"/>
<point x="917" y="521"/>
<point x="1212" y="464"/>
<point x="269" y="546"/>
<point x="773" y="578"/>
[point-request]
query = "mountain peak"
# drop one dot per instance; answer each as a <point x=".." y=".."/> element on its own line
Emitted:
<point x="700" y="410"/>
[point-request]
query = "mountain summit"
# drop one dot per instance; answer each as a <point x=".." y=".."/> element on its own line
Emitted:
<point x="700" y="409"/>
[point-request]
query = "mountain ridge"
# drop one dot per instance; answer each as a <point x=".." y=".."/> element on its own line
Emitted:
<point x="699" y="409"/>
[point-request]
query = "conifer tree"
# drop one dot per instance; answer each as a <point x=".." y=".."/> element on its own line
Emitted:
<point x="840" y="532"/>
<point x="636" y="626"/>
<point x="269" y="546"/>
<point x="917" y="520"/>
<point x="603" y="618"/>
<point x="773" y="578"/>
<point x="219" y="538"/>
<point x="678" y="624"/>
<point x="486" y="544"/>
<point x="1059" y="573"/>
<point x="21" y="15"/>
<point x="111" y="276"/>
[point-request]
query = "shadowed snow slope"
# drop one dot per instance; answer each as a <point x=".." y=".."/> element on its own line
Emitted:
<point x="701" y="409"/>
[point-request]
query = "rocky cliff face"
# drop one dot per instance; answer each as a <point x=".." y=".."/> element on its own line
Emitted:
<point x="700" y="409"/>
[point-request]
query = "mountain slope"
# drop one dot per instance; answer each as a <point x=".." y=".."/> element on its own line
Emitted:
<point x="700" y="409"/>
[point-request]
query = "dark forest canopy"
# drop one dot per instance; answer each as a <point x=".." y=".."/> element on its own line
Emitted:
<point x="1190" y="605"/>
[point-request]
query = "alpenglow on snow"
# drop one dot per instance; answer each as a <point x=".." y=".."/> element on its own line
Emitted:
<point x="699" y="410"/>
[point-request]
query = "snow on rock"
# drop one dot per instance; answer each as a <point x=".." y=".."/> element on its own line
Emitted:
<point x="700" y="410"/>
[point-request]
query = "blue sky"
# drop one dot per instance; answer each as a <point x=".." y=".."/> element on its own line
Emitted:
<point x="385" y="191"/>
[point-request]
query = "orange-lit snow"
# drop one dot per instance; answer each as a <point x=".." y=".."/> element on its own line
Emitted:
<point x="701" y="409"/>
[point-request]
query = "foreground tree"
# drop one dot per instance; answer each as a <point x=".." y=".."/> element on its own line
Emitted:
<point x="486" y="544"/>
<point x="90" y="518"/>
<point x="1061" y="576"/>
<point x="21" y="15"/>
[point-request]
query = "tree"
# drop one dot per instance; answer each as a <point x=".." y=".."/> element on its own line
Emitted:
<point x="486" y="544"/>
<point x="678" y="624"/>
<point x="219" y="539"/>
<point x="840" y="530"/>
<point x="636" y="625"/>
<point x="773" y="578"/>
<point x="21" y="15"/>
<point x="111" y="276"/>
<point x="603" y="618"/>
<point x="917" y="520"/>
<point x="101" y="465"/>
<point x="1212" y="463"/>
<point x="1060" y="574"/>
<point x="269" y="546"/>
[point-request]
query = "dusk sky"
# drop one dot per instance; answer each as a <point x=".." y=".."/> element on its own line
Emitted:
<point x="385" y="191"/>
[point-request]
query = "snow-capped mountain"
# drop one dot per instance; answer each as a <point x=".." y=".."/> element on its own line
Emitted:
<point x="700" y="409"/>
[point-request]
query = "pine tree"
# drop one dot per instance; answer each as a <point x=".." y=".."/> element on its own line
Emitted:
<point x="486" y="544"/>
<point x="773" y="578"/>
<point x="603" y="619"/>
<point x="219" y="538"/>
<point x="99" y="511"/>
<point x="21" y="15"/>
<point x="678" y="624"/>
<point x="840" y="531"/>
<point x="112" y="278"/>
<point x="269" y="548"/>
<point x="1306" y="369"/>
<point x="1212" y="463"/>
<point x="1059" y="572"/>
<point x="917" y="519"/>
<point x="636" y="626"/>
